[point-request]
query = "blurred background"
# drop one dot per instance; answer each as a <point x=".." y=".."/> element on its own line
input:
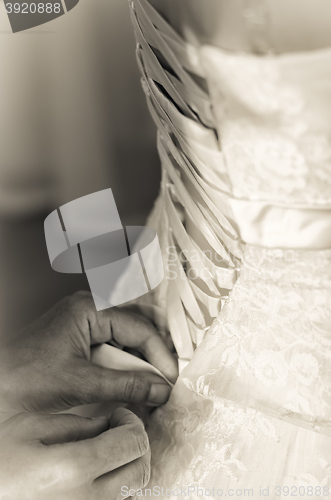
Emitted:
<point x="73" y="120"/>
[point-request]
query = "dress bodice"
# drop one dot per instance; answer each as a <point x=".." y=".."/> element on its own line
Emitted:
<point x="273" y="119"/>
<point x="245" y="147"/>
<point x="244" y="222"/>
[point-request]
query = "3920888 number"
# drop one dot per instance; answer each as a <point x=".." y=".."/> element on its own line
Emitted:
<point x="302" y="491"/>
<point x="33" y="8"/>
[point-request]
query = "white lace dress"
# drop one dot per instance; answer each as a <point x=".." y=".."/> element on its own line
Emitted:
<point x="244" y="221"/>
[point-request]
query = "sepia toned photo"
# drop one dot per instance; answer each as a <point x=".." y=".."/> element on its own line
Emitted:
<point x="165" y="249"/>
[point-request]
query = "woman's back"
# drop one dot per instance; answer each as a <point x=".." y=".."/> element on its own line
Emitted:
<point x="244" y="220"/>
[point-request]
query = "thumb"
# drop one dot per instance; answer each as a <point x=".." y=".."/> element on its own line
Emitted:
<point x="58" y="429"/>
<point x="94" y="384"/>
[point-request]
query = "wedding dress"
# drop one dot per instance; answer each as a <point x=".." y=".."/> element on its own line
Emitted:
<point x="244" y="223"/>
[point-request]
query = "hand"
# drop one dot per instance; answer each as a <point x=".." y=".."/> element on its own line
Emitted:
<point x="47" y="367"/>
<point x="66" y="457"/>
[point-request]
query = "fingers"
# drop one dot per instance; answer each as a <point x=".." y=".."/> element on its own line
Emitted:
<point x="134" y="331"/>
<point x="90" y="383"/>
<point x="111" y="450"/>
<point x="130" y="477"/>
<point x="122" y="416"/>
<point x="128" y="329"/>
<point x="56" y="429"/>
<point x="73" y="467"/>
<point x="98" y="326"/>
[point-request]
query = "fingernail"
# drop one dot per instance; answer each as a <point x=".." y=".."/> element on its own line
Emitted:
<point x="159" y="394"/>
